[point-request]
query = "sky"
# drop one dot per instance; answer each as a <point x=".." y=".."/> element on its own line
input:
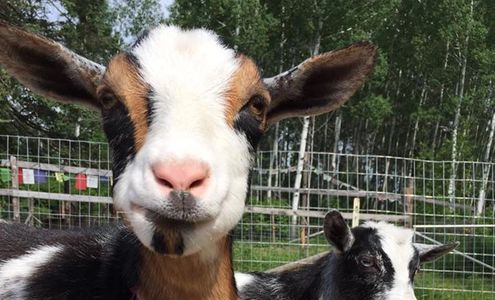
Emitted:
<point x="165" y="4"/>
<point x="54" y="10"/>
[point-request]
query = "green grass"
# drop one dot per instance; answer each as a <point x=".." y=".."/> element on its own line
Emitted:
<point x="254" y="257"/>
<point x="434" y="285"/>
<point x="429" y="285"/>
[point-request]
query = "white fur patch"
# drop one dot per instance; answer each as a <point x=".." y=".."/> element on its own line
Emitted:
<point x="243" y="279"/>
<point x="397" y="244"/>
<point x="15" y="272"/>
<point x="189" y="73"/>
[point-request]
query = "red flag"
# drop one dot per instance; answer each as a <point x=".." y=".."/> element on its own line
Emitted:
<point x="19" y="176"/>
<point x="81" y="182"/>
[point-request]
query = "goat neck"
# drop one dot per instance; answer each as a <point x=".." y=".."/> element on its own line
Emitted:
<point x="188" y="277"/>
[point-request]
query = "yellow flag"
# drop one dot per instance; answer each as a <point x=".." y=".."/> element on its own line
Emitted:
<point x="59" y="176"/>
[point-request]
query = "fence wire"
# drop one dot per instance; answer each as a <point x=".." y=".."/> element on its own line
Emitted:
<point x="443" y="202"/>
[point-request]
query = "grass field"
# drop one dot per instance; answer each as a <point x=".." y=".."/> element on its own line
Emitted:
<point x="433" y="285"/>
<point x="430" y="284"/>
<point x="261" y="257"/>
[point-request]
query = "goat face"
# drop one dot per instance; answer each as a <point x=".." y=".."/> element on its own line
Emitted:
<point x="198" y="112"/>
<point x="183" y="115"/>
<point x="376" y="260"/>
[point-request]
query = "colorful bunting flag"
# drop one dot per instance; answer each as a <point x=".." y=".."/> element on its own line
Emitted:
<point x="59" y="176"/>
<point x="92" y="181"/>
<point x="108" y="179"/>
<point x="5" y="175"/>
<point x="40" y="176"/>
<point x="19" y="176"/>
<point x="28" y="176"/>
<point x="81" y="182"/>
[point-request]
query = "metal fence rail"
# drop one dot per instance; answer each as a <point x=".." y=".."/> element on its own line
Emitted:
<point x="274" y="231"/>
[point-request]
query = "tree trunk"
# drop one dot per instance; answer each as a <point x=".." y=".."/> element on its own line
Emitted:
<point x="442" y="91"/>
<point x="299" y="171"/>
<point x="486" y="168"/>
<point x="274" y="156"/>
<point x="338" y="124"/>
<point x="422" y="99"/>
<point x="273" y="162"/>
<point x="392" y="131"/>
<point x="451" y="191"/>
<point x="304" y="137"/>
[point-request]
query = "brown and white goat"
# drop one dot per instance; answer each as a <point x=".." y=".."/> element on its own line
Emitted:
<point x="183" y="115"/>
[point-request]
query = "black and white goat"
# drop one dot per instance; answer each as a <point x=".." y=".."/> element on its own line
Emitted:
<point x="374" y="261"/>
<point x="183" y="115"/>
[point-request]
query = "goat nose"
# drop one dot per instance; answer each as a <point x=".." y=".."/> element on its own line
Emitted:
<point x="186" y="175"/>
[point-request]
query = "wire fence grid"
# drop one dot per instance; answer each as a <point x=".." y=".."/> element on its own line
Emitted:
<point x="58" y="183"/>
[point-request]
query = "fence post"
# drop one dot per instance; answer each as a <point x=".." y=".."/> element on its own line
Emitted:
<point x="408" y="203"/>
<point x="305" y="200"/>
<point x="30" y="218"/>
<point x="274" y="228"/>
<point x="355" y="212"/>
<point x="16" y="207"/>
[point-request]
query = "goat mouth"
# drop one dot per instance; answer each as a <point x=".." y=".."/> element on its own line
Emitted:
<point x="181" y="218"/>
<point x="168" y="232"/>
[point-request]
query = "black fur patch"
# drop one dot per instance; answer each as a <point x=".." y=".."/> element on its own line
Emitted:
<point x="150" y="112"/>
<point x="167" y="238"/>
<point x="356" y="281"/>
<point x="303" y="283"/>
<point x="414" y="265"/>
<point x="337" y="232"/>
<point x="168" y="241"/>
<point x="93" y="264"/>
<point x="133" y="59"/>
<point x="119" y="129"/>
<point x="335" y="276"/>
<point x="246" y="123"/>
<point x="158" y="243"/>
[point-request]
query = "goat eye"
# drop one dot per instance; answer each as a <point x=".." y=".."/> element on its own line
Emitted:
<point x="367" y="261"/>
<point x="257" y="105"/>
<point x="107" y="98"/>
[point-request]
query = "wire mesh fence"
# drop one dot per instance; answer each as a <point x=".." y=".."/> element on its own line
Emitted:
<point x="43" y="182"/>
<point x="62" y="183"/>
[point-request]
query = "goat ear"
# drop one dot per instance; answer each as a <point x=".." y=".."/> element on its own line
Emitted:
<point x="432" y="252"/>
<point x="48" y="68"/>
<point x="337" y="232"/>
<point x="320" y="84"/>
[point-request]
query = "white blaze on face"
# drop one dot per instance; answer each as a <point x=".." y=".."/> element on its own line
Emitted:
<point x="397" y="244"/>
<point x="189" y="73"/>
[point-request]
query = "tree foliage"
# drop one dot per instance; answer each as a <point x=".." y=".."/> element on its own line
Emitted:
<point x="416" y="100"/>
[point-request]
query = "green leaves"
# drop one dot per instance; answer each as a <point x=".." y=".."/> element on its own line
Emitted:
<point x="413" y="94"/>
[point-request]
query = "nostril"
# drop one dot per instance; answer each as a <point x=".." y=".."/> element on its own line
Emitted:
<point x="165" y="183"/>
<point x="196" y="183"/>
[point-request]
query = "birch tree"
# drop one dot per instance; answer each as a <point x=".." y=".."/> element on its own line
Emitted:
<point x="460" y="98"/>
<point x="301" y="157"/>
<point x="486" y="167"/>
